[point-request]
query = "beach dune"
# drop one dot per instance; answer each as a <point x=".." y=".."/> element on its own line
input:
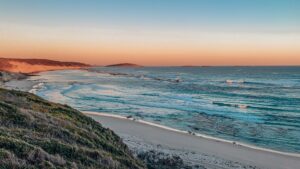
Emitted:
<point x="36" y="65"/>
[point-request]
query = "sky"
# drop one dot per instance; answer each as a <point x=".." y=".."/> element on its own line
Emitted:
<point x="153" y="32"/>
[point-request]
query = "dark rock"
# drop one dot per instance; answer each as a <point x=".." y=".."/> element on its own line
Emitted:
<point x="155" y="160"/>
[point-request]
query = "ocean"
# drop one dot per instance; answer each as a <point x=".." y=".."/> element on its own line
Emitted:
<point x="259" y="106"/>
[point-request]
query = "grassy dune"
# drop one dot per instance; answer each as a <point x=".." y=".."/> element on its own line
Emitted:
<point x="35" y="133"/>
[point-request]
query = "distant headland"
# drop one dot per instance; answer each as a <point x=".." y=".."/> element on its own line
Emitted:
<point x="124" y="65"/>
<point x="195" y="66"/>
<point x="36" y="65"/>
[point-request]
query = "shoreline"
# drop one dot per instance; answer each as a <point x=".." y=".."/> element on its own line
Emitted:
<point x="207" y="148"/>
<point x="26" y="84"/>
<point x="195" y="134"/>
<point x="31" y="85"/>
<point x="214" y="147"/>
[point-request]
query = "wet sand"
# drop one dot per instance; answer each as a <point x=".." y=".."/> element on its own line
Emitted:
<point x="210" y="153"/>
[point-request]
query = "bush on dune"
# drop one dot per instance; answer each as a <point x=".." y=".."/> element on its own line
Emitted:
<point x="35" y="133"/>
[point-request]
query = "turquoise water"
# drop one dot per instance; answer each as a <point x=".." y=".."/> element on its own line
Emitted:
<point x="254" y="105"/>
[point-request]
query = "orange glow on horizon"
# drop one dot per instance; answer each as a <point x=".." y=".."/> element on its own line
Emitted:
<point x="100" y="47"/>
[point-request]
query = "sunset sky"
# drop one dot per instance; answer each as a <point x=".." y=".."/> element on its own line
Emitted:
<point x="153" y="32"/>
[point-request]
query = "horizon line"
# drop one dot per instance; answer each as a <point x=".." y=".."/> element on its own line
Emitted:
<point x="101" y="65"/>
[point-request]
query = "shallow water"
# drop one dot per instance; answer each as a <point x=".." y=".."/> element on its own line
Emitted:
<point x="255" y="105"/>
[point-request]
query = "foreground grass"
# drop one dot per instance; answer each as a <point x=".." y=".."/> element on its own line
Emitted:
<point x="35" y="133"/>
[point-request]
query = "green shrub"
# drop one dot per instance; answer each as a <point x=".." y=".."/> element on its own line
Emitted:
<point x="35" y="133"/>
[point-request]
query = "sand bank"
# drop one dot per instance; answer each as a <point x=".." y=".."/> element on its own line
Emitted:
<point x="225" y="154"/>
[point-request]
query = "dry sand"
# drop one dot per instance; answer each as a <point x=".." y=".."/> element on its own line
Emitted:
<point x="206" y="152"/>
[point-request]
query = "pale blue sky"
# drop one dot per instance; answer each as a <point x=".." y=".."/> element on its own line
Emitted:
<point x="153" y="32"/>
<point x="219" y="15"/>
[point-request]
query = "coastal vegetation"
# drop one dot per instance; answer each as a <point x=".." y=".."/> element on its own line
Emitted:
<point x="35" y="133"/>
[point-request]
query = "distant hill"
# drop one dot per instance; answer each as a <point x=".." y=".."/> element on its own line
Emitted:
<point x="194" y="66"/>
<point x="35" y="133"/>
<point x="36" y="65"/>
<point x="124" y="65"/>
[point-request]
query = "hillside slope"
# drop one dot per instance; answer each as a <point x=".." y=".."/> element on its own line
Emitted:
<point x="36" y="65"/>
<point x="35" y="133"/>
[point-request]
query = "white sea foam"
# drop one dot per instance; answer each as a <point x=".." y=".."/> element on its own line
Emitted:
<point x="201" y="100"/>
<point x="229" y="81"/>
<point x="195" y="134"/>
<point x="36" y="87"/>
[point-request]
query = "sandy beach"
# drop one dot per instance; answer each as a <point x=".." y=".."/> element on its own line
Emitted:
<point x="150" y="84"/>
<point x="198" y="151"/>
